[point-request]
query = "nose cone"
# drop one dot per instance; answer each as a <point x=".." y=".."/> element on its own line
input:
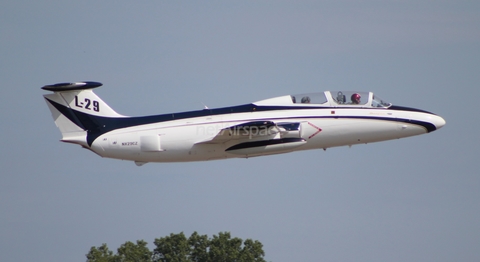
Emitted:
<point x="428" y="120"/>
<point x="438" y="121"/>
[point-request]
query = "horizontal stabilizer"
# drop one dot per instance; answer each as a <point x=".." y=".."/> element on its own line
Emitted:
<point x="62" y="87"/>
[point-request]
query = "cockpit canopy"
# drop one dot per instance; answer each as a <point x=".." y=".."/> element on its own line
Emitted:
<point x="329" y="99"/>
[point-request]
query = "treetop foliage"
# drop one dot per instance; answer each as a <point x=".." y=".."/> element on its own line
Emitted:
<point x="179" y="248"/>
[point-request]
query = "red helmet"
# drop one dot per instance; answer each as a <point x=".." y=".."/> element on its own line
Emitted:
<point x="356" y="97"/>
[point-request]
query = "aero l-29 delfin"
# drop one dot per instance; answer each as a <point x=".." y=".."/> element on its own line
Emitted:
<point x="273" y="126"/>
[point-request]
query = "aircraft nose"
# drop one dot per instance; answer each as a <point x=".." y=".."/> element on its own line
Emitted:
<point x="438" y="121"/>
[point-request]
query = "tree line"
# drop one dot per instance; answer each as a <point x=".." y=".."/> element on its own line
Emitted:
<point x="179" y="248"/>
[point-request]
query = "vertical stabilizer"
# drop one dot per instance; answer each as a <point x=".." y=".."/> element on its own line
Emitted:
<point x="77" y="110"/>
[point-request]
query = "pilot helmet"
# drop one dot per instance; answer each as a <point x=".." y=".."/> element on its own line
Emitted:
<point x="356" y="98"/>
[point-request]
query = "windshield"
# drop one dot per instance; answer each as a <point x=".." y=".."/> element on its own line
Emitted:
<point x="378" y="102"/>
<point x="350" y="97"/>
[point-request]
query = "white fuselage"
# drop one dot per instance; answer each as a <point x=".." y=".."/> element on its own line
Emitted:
<point x="181" y="140"/>
<point x="272" y="126"/>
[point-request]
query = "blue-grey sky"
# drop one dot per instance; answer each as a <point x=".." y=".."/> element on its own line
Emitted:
<point x="414" y="199"/>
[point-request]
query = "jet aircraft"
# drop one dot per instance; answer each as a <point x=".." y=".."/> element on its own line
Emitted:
<point x="272" y="126"/>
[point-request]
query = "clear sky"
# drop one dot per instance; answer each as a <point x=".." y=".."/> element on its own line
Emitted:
<point x="415" y="199"/>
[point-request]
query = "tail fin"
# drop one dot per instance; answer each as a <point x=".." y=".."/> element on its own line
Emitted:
<point x="78" y="111"/>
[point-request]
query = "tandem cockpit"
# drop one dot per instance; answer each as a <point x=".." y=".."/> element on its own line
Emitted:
<point x="329" y="99"/>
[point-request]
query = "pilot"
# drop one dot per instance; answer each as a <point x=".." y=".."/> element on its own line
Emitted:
<point x="306" y="100"/>
<point x="356" y="98"/>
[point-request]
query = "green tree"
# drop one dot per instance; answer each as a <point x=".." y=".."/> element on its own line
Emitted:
<point x="225" y="248"/>
<point x="252" y="251"/>
<point x="177" y="248"/>
<point x="130" y="252"/>
<point x="173" y="248"/>
<point x="198" y="247"/>
<point x="100" y="254"/>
